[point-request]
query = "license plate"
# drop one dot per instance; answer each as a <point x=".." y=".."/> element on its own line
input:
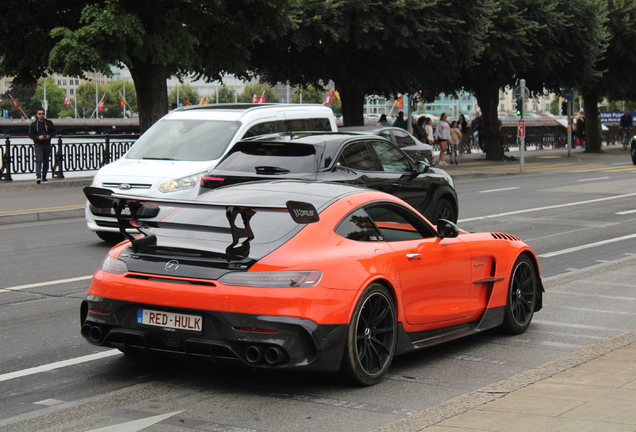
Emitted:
<point x="169" y="320"/>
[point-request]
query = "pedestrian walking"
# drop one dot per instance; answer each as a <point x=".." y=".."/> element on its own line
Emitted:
<point x="41" y="131"/>
<point x="462" y="125"/>
<point x="579" y="132"/>
<point x="400" y="121"/>
<point x="442" y="134"/>
<point x="475" y="127"/>
<point x="383" y="121"/>
<point x="418" y="129"/>
<point x="455" y="139"/>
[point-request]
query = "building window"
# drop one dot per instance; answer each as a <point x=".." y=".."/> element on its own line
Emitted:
<point x="71" y="91"/>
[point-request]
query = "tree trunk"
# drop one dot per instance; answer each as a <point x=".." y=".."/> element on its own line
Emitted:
<point x="487" y="95"/>
<point x="152" y="92"/>
<point x="352" y="100"/>
<point x="593" y="136"/>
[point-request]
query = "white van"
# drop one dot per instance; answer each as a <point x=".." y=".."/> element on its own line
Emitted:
<point x="169" y="158"/>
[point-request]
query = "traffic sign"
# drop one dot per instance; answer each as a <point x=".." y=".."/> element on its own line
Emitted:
<point x="517" y="93"/>
<point x="568" y="94"/>
<point x="521" y="129"/>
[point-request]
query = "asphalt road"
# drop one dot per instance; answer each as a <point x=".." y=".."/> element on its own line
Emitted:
<point x="579" y="220"/>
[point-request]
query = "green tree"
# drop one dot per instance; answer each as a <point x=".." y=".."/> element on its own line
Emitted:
<point x="259" y="89"/>
<point x="184" y="91"/>
<point x="154" y="39"/>
<point x="376" y="47"/>
<point x="115" y="90"/>
<point x="225" y="95"/>
<point x="54" y="98"/>
<point x="613" y="75"/>
<point x="538" y="40"/>
<point x="311" y="94"/>
<point x="88" y="96"/>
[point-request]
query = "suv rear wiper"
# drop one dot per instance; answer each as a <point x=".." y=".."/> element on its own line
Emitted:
<point x="270" y="170"/>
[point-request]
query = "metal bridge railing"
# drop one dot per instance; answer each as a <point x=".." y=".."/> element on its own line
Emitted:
<point x="69" y="153"/>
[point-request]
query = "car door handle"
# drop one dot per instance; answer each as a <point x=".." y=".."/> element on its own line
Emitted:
<point x="413" y="256"/>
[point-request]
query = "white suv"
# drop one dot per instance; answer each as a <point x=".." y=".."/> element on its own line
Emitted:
<point x="169" y="158"/>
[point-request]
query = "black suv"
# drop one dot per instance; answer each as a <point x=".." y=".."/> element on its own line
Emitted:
<point x="364" y="160"/>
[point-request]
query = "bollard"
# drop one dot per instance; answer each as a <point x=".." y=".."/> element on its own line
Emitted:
<point x="5" y="169"/>
<point x="59" y="159"/>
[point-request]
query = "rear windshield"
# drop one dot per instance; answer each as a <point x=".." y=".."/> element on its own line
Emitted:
<point x="185" y="140"/>
<point x="270" y="228"/>
<point x="293" y="158"/>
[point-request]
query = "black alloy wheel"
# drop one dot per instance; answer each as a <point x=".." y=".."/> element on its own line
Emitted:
<point x="522" y="296"/>
<point x="443" y="210"/>
<point x="372" y="337"/>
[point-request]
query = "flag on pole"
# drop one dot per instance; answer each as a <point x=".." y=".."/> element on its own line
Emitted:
<point x="67" y="102"/>
<point x="100" y="105"/>
<point x="399" y="104"/>
<point x="263" y="99"/>
<point x="122" y="101"/>
<point x="254" y="97"/>
<point x="186" y="101"/>
<point x="335" y="94"/>
<point x="15" y="102"/>
<point x="204" y="100"/>
<point x="328" y="98"/>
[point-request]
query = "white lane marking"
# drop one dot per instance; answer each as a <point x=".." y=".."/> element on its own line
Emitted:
<point x="547" y="207"/>
<point x="58" y="365"/>
<point x="587" y="246"/>
<point x="593" y="179"/>
<point x="498" y="190"/>
<point x="136" y="425"/>
<point x="626" y="212"/>
<point x="39" y="284"/>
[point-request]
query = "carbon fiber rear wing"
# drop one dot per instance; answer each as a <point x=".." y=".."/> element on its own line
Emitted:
<point x="135" y="211"/>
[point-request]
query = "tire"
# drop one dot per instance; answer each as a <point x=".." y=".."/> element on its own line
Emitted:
<point x="522" y="296"/>
<point x="443" y="210"/>
<point x="633" y="148"/>
<point x="110" y="237"/>
<point x="371" y="337"/>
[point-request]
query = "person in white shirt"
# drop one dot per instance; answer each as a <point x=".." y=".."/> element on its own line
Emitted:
<point x="442" y="134"/>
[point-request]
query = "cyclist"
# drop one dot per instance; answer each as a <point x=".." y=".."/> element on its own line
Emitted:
<point x="625" y="128"/>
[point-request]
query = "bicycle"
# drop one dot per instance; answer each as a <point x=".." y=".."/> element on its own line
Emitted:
<point x="625" y="137"/>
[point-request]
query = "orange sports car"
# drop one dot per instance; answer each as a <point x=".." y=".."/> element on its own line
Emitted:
<point x="301" y="275"/>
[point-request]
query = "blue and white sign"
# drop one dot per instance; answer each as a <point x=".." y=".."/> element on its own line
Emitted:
<point x="568" y="94"/>
<point x="614" y="117"/>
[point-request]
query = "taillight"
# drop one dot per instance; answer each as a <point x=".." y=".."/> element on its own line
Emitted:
<point x="275" y="279"/>
<point x="113" y="265"/>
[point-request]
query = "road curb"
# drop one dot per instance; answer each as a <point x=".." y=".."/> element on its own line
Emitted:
<point x="16" y="185"/>
<point x="41" y="216"/>
<point x="472" y="400"/>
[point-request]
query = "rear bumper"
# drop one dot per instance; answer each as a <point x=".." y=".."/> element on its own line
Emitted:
<point x="262" y="341"/>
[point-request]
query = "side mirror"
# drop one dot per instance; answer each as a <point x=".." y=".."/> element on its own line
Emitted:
<point x="422" y="167"/>
<point x="446" y="228"/>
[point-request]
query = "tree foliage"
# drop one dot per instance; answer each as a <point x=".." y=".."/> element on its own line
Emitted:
<point x="154" y="39"/>
<point x="54" y="98"/>
<point x="179" y="94"/>
<point x="376" y="47"/>
<point x="247" y="96"/>
<point x="225" y="95"/>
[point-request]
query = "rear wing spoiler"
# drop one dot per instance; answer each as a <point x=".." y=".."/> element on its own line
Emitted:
<point x="139" y="209"/>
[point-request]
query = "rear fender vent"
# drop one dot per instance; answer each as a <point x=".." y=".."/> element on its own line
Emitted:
<point x="502" y="236"/>
<point x="170" y="280"/>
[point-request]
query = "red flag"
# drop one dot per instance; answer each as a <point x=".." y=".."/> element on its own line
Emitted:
<point x="204" y="100"/>
<point x="328" y="98"/>
<point x="263" y="99"/>
<point x="254" y="98"/>
<point x="100" y="105"/>
<point x="122" y="101"/>
<point x="186" y="101"/>
<point x="399" y="104"/>
<point x="15" y="102"/>
<point x="67" y="102"/>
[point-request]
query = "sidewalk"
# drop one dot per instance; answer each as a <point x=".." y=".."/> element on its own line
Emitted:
<point x="591" y="390"/>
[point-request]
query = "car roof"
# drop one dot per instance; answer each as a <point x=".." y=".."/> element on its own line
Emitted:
<point x="279" y="192"/>
<point x="329" y="141"/>
<point x="238" y="111"/>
